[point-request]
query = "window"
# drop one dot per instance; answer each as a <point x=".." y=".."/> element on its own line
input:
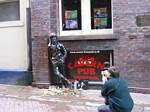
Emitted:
<point x="85" y="17"/>
<point x="87" y="65"/>
<point x="71" y="15"/>
<point x="9" y="10"/>
<point x="101" y="14"/>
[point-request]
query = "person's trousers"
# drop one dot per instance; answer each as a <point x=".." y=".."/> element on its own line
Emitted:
<point x="104" y="108"/>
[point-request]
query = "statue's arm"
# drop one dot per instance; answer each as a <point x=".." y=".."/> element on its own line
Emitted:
<point x="64" y="51"/>
<point x="50" y="51"/>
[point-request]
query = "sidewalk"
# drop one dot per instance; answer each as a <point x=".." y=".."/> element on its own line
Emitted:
<point x="31" y="99"/>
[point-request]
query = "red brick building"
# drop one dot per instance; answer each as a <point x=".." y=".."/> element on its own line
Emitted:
<point x="121" y="26"/>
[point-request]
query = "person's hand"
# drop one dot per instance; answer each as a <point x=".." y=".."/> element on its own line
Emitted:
<point x="104" y="78"/>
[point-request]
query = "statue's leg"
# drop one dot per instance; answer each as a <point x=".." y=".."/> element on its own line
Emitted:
<point x="62" y="74"/>
<point x="56" y="72"/>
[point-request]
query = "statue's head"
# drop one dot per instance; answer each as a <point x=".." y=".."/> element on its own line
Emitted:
<point x="53" y="38"/>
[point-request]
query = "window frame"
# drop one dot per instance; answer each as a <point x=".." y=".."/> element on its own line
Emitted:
<point x="14" y="22"/>
<point x="85" y="22"/>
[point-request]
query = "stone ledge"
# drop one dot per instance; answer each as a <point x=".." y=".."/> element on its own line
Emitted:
<point x="88" y="37"/>
<point x="41" y="84"/>
<point x="140" y="90"/>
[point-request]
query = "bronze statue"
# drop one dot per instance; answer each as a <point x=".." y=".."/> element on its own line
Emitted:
<point x="58" y="54"/>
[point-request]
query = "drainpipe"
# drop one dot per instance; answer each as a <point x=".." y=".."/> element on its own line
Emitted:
<point x="29" y="40"/>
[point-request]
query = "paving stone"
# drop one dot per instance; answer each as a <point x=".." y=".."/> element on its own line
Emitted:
<point x="146" y="109"/>
<point x="30" y="99"/>
<point x="138" y="108"/>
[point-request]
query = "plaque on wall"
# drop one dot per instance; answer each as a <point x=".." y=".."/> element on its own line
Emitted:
<point x="143" y="20"/>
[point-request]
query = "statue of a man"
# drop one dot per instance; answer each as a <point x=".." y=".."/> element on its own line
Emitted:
<point x="58" y="54"/>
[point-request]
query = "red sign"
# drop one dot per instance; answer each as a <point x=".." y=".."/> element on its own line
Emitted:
<point x="86" y="65"/>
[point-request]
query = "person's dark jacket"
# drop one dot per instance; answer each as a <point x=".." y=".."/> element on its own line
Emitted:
<point x="117" y="94"/>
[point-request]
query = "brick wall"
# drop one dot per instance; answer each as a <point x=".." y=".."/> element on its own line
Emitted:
<point x="132" y="54"/>
<point x="131" y="49"/>
<point x="40" y="19"/>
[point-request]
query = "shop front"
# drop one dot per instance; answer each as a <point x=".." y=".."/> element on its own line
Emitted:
<point x="96" y="34"/>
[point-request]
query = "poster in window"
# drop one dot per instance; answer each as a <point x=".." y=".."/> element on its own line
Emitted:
<point x="100" y="23"/>
<point x="71" y="20"/>
<point x="97" y="23"/>
<point x="71" y="24"/>
<point x="100" y="18"/>
<point x="100" y="12"/>
<point x="71" y="14"/>
<point x="104" y="21"/>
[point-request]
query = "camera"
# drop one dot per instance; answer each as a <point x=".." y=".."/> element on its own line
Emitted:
<point x="104" y="78"/>
<point x="102" y="72"/>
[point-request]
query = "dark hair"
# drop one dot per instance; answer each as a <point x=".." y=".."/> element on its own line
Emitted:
<point x="114" y="71"/>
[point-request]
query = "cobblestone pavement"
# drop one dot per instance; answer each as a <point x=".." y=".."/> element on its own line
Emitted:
<point x="30" y="99"/>
<point x="18" y="105"/>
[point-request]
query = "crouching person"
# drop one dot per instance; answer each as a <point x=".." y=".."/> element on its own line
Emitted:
<point x="115" y="91"/>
